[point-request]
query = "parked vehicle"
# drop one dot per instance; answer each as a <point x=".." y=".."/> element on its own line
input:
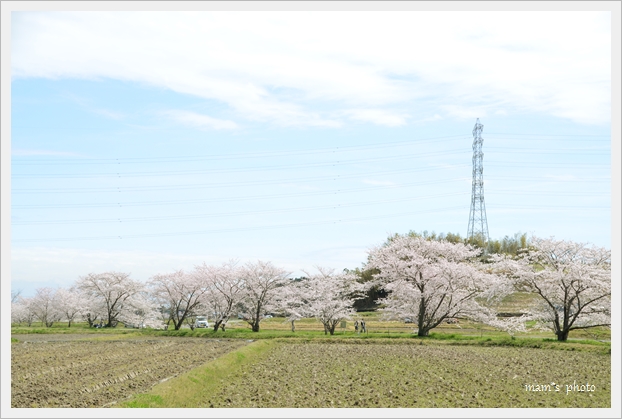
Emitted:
<point x="201" y="321"/>
<point x="134" y="326"/>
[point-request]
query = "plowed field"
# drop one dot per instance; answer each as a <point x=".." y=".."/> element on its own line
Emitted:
<point x="64" y="371"/>
<point x="400" y="375"/>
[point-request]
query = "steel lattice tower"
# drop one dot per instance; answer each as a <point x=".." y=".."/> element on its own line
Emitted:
<point x="478" y="224"/>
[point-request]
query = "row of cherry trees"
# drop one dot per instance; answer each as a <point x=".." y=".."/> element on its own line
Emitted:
<point x="249" y="292"/>
<point x="425" y="279"/>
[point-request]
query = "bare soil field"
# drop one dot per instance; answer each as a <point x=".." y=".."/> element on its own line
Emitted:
<point x="320" y="375"/>
<point x="91" y="370"/>
<point x="79" y="371"/>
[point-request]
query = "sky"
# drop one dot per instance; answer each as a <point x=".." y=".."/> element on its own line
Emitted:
<point x="146" y="142"/>
<point x="150" y="141"/>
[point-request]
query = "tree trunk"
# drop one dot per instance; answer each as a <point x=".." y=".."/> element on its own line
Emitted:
<point x="421" y="330"/>
<point x="293" y="326"/>
<point x="90" y="319"/>
<point x="562" y="335"/>
<point x="217" y="325"/>
<point x="255" y="326"/>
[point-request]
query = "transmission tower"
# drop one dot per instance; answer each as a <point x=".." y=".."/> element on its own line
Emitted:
<point x="478" y="224"/>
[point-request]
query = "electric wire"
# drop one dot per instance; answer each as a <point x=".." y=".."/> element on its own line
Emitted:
<point x="290" y="195"/>
<point x="236" y="229"/>
<point x="332" y="150"/>
<point x="229" y="214"/>
<point x="280" y="180"/>
<point x="261" y="154"/>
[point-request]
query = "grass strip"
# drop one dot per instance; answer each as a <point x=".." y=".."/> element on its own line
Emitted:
<point x="191" y="388"/>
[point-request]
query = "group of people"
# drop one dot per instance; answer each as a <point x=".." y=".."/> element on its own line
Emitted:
<point x="361" y="325"/>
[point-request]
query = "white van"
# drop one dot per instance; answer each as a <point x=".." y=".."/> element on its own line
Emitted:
<point x="201" y="321"/>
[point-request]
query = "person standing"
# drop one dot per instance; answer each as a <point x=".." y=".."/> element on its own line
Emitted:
<point x="356" y="326"/>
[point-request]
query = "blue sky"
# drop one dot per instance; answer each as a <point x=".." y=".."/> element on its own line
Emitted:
<point x="146" y="142"/>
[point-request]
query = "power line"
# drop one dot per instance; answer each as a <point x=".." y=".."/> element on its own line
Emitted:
<point x="227" y="214"/>
<point x="270" y="227"/>
<point x="548" y="207"/>
<point x="240" y="155"/>
<point x="228" y="199"/>
<point x="554" y="135"/>
<point x="259" y="197"/>
<point x="279" y="167"/>
<point x="262" y="168"/>
<point x="290" y="210"/>
<point x="545" y="165"/>
<point x="280" y="180"/>
<point x="221" y="184"/>
<point x="236" y="156"/>
<point x="228" y="230"/>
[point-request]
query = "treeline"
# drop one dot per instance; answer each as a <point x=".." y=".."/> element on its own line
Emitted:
<point x="506" y="246"/>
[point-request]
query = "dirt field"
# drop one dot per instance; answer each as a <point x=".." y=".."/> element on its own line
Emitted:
<point x="79" y="371"/>
<point x="404" y="375"/>
<point x="100" y="370"/>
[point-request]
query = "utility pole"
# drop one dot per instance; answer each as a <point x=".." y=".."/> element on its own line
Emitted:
<point x="478" y="224"/>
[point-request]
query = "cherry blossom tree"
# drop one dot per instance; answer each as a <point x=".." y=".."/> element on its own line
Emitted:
<point x="93" y="308"/>
<point x="71" y="304"/>
<point x="45" y="306"/>
<point x="21" y="311"/>
<point x="225" y="285"/>
<point x="327" y="296"/>
<point x="109" y="291"/>
<point x="142" y="311"/>
<point x="432" y="280"/>
<point x="181" y="294"/>
<point x="262" y="281"/>
<point x="289" y="303"/>
<point x="510" y="325"/>
<point x="572" y="281"/>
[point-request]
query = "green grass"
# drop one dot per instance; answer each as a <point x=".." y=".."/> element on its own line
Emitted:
<point x="189" y="389"/>
<point x="279" y="328"/>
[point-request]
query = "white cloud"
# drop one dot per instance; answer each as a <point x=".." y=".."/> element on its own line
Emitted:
<point x="200" y="121"/>
<point x="376" y="116"/>
<point x="465" y="111"/>
<point x="294" y="68"/>
<point x="87" y="104"/>
<point x="433" y="118"/>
